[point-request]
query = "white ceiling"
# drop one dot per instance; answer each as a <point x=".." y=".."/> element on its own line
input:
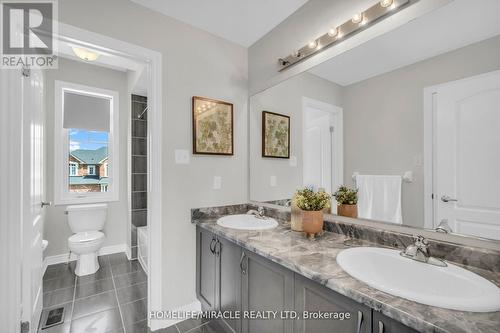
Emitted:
<point x="240" y="21"/>
<point x="460" y="23"/>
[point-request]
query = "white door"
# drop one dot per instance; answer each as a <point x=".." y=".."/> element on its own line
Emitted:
<point x="318" y="152"/>
<point x="467" y="155"/>
<point x="33" y="191"/>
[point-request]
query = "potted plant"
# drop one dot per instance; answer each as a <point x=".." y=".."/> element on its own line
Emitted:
<point x="312" y="204"/>
<point x="347" y="201"/>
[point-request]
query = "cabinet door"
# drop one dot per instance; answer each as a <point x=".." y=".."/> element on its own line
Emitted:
<point x="313" y="298"/>
<point x="230" y="281"/>
<point x="383" y="324"/>
<point x="206" y="269"/>
<point x="266" y="286"/>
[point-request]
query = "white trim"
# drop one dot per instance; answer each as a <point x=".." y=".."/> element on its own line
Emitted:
<point x="153" y="59"/>
<point x="91" y="167"/>
<point x="338" y="115"/>
<point x="62" y="196"/>
<point x="76" y="171"/>
<point x="62" y="258"/>
<point x="194" y="307"/>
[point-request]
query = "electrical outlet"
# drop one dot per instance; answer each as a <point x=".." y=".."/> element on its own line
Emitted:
<point x="217" y="182"/>
<point x="181" y="156"/>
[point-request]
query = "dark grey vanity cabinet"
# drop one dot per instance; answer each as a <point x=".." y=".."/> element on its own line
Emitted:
<point x="312" y="297"/>
<point x="383" y="324"/>
<point x="266" y="286"/>
<point x="206" y="268"/>
<point x="229" y="286"/>
<point x="218" y="276"/>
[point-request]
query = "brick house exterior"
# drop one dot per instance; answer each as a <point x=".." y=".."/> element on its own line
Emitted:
<point x="83" y="161"/>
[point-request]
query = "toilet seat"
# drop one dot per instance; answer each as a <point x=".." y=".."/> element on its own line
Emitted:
<point x="86" y="237"/>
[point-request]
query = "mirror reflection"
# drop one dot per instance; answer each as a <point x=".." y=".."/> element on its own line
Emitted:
<point x="416" y="137"/>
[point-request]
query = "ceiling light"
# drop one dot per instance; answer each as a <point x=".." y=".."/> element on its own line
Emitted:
<point x="85" y="54"/>
<point x="312" y="44"/>
<point x="357" y="18"/>
<point x="386" y="3"/>
<point x="333" y="32"/>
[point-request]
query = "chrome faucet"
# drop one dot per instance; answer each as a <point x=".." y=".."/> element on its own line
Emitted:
<point x="419" y="251"/>
<point x="259" y="213"/>
<point x="444" y="227"/>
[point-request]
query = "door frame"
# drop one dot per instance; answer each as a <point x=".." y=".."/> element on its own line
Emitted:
<point x="11" y="192"/>
<point x="338" y="148"/>
<point x="430" y="95"/>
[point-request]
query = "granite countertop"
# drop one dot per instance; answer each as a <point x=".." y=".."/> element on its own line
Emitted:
<point x="316" y="260"/>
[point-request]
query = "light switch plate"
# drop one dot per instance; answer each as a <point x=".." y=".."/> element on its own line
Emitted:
<point x="181" y="156"/>
<point x="217" y="182"/>
<point x="293" y="161"/>
<point x="273" y="181"/>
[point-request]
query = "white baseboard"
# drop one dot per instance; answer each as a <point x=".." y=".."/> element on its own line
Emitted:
<point x="156" y="324"/>
<point x="62" y="258"/>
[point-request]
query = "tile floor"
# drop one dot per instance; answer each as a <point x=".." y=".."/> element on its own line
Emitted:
<point x="114" y="299"/>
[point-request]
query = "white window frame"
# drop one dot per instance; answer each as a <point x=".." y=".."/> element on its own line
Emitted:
<point x="62" y="195"/>
<point x="76" y="166"/>
<point x="91" y="167"/>
<point x="105" y="167"/>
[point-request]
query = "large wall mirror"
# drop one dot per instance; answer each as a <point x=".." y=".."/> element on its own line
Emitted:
<point x="414" y="126"/>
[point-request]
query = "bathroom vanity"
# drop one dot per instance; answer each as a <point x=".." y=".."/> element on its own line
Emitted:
<point x="280" y="270"/>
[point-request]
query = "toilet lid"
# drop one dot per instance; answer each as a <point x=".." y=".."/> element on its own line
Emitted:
<point x="86" y="236"/>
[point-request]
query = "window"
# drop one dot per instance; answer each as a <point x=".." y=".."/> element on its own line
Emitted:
<point x="73" y="169"/>
<point x="86" y="123"/>
<point x="91" y="170"/>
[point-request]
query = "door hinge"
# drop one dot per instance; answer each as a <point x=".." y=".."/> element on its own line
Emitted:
<point x="432" y="196"/>
<point x="25" y="327"/>
<point x="332" y="129"/>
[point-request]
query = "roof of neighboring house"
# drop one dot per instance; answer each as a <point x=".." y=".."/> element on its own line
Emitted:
<point x="87" y="156"/>
<point x="87" y="180"/>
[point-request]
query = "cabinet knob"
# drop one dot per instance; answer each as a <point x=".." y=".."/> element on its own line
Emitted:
<point x="360" y="321"/>
<point x="212" y="245"/>
<point x="380" y="327"/>
<point x="243" y="269"/>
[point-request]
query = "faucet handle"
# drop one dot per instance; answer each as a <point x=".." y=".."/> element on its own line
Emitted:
<point x="261" y="210"/>
<point x="420" y="241"/>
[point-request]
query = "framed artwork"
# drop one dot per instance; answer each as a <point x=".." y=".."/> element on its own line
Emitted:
<point x="212" y="127"/>
<point x="275" y="135"/>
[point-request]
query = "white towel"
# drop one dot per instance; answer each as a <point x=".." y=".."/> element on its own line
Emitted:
<point x="379" y="198"/>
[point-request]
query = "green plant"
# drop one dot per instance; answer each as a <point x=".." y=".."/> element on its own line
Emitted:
<point x="346" y="196"/>
<point x="307" y="199"/>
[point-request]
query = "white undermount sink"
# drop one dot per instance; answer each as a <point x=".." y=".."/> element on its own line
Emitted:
<point x="247" y="222"/>
<point x="450" y="287"/>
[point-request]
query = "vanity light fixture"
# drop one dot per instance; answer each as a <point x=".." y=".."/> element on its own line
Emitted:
<point x="85" y="54"/>
<point x="336" y="34"/>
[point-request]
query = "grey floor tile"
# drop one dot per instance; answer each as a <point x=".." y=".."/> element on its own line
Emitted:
<point x="93" y="304"/>
<point x="58" y="296"/>
<point x="130" y="279"/>
<point x="58" y="283"/>
<point x="59" y="271"/>
<point x="190" y="324"/>
<point x="128" y="267"/>
<point x="132" y="293"/>
<point x="104" y="272"/>
<point x="101" y="322"/>
<point x="63" y="328"/>
<point x="210" y="327"/>
<point x="142" y="327"/>
<point x="134" y="312"/>
<point x="116" y="258"/>
<point x="93" y="288"/>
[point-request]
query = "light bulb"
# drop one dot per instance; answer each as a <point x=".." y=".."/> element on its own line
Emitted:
<point x="333" y="32"/>
<point x="296" y="54"/>
<point x="386" y="3"/>
<point x="357" y="18"/>
<point x="313" y="44"/>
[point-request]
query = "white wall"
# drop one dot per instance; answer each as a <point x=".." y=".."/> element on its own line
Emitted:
<point x="56" y="226"/>
<point x="285" y="98"/>
<point x="383" y="117"/>
<point x="194" y="63"/>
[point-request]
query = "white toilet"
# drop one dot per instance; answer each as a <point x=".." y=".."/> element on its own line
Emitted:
<point x="86" y="221"/>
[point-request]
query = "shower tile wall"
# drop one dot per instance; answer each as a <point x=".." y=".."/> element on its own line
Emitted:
<point x="139" y="169"/>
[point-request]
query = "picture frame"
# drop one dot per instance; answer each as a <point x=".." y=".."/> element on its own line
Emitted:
<point x="275" y="135"/>
<point x="213" y="128"/>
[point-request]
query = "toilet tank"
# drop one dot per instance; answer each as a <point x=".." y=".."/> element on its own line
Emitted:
<point x="87" y="217"/>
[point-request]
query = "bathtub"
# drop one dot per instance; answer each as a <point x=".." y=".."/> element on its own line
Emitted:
<point x="142" y="247"/>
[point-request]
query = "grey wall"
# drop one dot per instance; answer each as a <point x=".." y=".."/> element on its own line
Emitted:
<point x="285" y="98"/>
<point x="383" y="117"/>
<point x="194" y="63"/>
<point x="56" y="229"/>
